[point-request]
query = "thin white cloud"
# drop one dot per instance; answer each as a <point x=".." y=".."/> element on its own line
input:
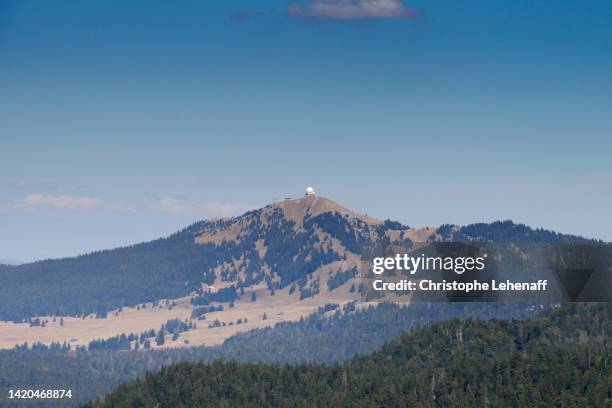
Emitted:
<point x="171" y="205"/>
<point x="178" y="206"/>
<point x="351" y="9"/>
<point x="68" y="202"/>
<point x="59" y="201"/>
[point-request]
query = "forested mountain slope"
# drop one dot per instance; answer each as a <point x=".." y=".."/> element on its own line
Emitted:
<point x="279" y="245"/>
<point x="561" y="358"/>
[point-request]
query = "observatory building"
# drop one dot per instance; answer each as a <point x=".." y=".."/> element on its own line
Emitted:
<point x="309" y="191"/>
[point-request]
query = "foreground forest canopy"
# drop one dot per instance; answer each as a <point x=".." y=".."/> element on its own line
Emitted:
<point x="561" y="358"/>
<point x="330" y="335"/>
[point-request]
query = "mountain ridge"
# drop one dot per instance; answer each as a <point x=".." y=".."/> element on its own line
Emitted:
<point x="279" y="245"/>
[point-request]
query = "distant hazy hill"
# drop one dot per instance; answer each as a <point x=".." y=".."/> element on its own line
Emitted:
<point x="280" y="244"/>
<point x="557" y="359"/>
<point x="9" y="262"/>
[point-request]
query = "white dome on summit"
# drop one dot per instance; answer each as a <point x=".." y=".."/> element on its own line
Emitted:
<point x="310" y="191"/>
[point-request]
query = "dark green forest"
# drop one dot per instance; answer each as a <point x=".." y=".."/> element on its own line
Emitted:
<point x="561" y="358"/>
<point x="332" y="334"/>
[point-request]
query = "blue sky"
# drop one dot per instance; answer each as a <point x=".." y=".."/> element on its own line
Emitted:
<point x="124" y="121"/>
